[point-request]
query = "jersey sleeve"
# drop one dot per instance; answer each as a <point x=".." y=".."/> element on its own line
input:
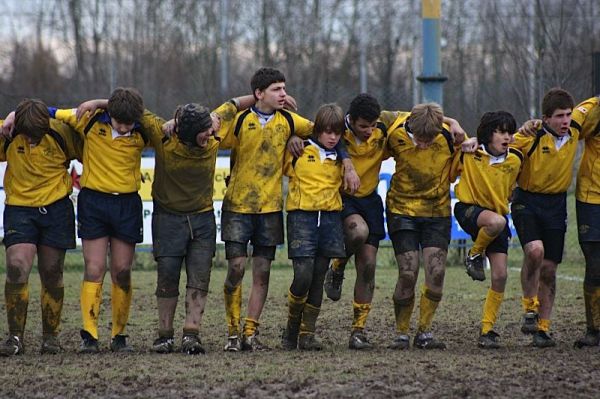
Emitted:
<point x="389" y="117"/>
<point x="522" y="142"/>
<point x="73" y="141"/>
<point x="227" y="112"/>
<point x="152" y="126"/>
<point x="2" y="144"/>
<point x="457" y="165"/>
<point x="69" y="116"/>
<point x="302" y="126"/>
<point x="586" y="116"/>
<point x="288" y="169"/>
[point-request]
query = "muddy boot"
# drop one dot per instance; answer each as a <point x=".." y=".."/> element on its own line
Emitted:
<point x="541" y="339"/>
<point x="529" y="324"/>
<point x="89" y="344"/>
<point x="119" y="344"/>
<point x="400" y="342"/>
<point x="289" y="338"/>
<point x="359" y="340"/>
<point x="50" y="345"/>
<point x="190" y="344"/>
<point x="253" y="344"/>
<point x="489" y="340"/>
<point x="308" y="342"/>
<point x="425" y="340"/>
<point x="12" y="346"/>
<point x="591" y="338"/>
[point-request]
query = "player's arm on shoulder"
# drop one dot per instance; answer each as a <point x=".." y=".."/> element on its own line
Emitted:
<point x="587" y="115"/>
<point x="457" y="132"/>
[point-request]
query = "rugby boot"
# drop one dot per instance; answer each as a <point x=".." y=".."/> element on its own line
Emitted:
<point x="308" y="342"/>
<point x="289" y="338"/>
<point x="119" y="344"/>
<point x="529" y="323"/>
<point x="333" y="284"/>
<point x="50" y="345"/>
<point x="489" y="340"/>
<point x="190" y="344"/>
<point x="359" y="340"/>
<point x="11" y="346"/>
<point x="253" y="344"/>
<point x="400" y="342"/>
<point x="474" y="266"/>
<point x="541" y="339"/>
<point x="591" y="338"/>
<point x="233" y="344"/>
<point x="89" y="344"/>
<point x="425" y="340"/>
<point x="163" y="345"/>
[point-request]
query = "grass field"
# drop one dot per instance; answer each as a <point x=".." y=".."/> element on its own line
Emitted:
<point x="462" y="370"/>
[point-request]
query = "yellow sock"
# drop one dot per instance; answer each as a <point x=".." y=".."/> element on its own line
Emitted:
<point x="17" y="301"/>
<point x="52" y="304"/>
<point x="250" y="326"/>
<point x="530" y="304"/>
<point x="403" y="309"/>
<point x="361" y="311"/>
<point x="544" y="325"/>
<point x="295" y="308"/>
<point x="592" y="306"/>
<point x="491" y="306"/>
<point x="233" y="308"/>
<point x="309" y="319"/>
<point x="338" y="264"/>
<point x="481" y="242"/>
<point x="428" y="305"/>
<point x="91" y="296"/>
<point x="121" y="303"/>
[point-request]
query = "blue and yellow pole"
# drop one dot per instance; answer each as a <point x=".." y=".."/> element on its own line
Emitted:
<point x="432" y="80"/>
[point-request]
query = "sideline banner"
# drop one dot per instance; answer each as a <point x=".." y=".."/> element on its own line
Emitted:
<point x="222" y="170"/>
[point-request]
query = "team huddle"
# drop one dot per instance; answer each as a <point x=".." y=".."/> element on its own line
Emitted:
<point x="333" y="211"/>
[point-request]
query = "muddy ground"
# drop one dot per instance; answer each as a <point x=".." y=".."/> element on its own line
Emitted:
<point x="463" y="370"/>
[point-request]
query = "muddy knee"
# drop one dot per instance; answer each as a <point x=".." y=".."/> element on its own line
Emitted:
<point x="168" y="270"/>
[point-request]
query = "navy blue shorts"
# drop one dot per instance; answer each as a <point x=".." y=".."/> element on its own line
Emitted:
<point x="109" y="215"/>
<point x="52" y="225"/>
<point x="467" y="215"/>
<point x="370" y="208"/>
<point x="260" y="229"/>
<point x="541" y="217"/>
<point x="409" y="233"/>
<point x="313" y="233"/>
<point x="588" y="222"/>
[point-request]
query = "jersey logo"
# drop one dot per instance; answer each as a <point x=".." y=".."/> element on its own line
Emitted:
<point x="311" y="158"/>
<point x="477" y="157"/>
<point x="582" y="109"/>
<point x="401" y="142"/>
<point x="102" y="131"/>
<point x="545" y="150"/>
<point x="20" y="150"/>
<point x="251" y="126"/>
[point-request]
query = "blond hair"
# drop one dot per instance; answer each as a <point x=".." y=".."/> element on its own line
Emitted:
<point x="426" y="121"/>
<point x="329" y="117"/>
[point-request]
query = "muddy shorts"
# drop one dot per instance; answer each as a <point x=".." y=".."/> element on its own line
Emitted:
<point x="52" y="225"/>
<point x="541" y="217"/>
<point x="109" y="215"/>
<point x="588" y="222"/>
<point x="263" y="230"/>
<point x="176" y="238"/>
<point x="467" y="215"/>
<point x="313" y="233"/>
<point x="409" y="233"/>
<point x="370" y="208"/>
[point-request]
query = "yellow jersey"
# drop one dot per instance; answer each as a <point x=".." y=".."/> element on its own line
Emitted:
<point x="486" y="180"/>
<point x="315" y="179"/>
<point x="587" y="116"/>
<point x="38" y="175"/>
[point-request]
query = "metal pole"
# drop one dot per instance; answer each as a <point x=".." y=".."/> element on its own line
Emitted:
<point x="224" y="53"/>
<point x="432" y="80"/>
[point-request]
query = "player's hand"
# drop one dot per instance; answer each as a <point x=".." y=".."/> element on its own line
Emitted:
<point x="457" y="132"/>
<point x="168" y="128"/>
<point x="216" y="122"/>
<point x="351" y="179"/>
<point x="295" y="146"/>
<point x="8" y="125"/>
<point x="469" y="145"/>
<point x="530" y="127"/>
<point x="290" y="103"/>
<point x="90" y="106"/>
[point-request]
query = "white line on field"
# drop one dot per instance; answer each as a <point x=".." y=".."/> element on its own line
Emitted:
<point x="558" y="275"/>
